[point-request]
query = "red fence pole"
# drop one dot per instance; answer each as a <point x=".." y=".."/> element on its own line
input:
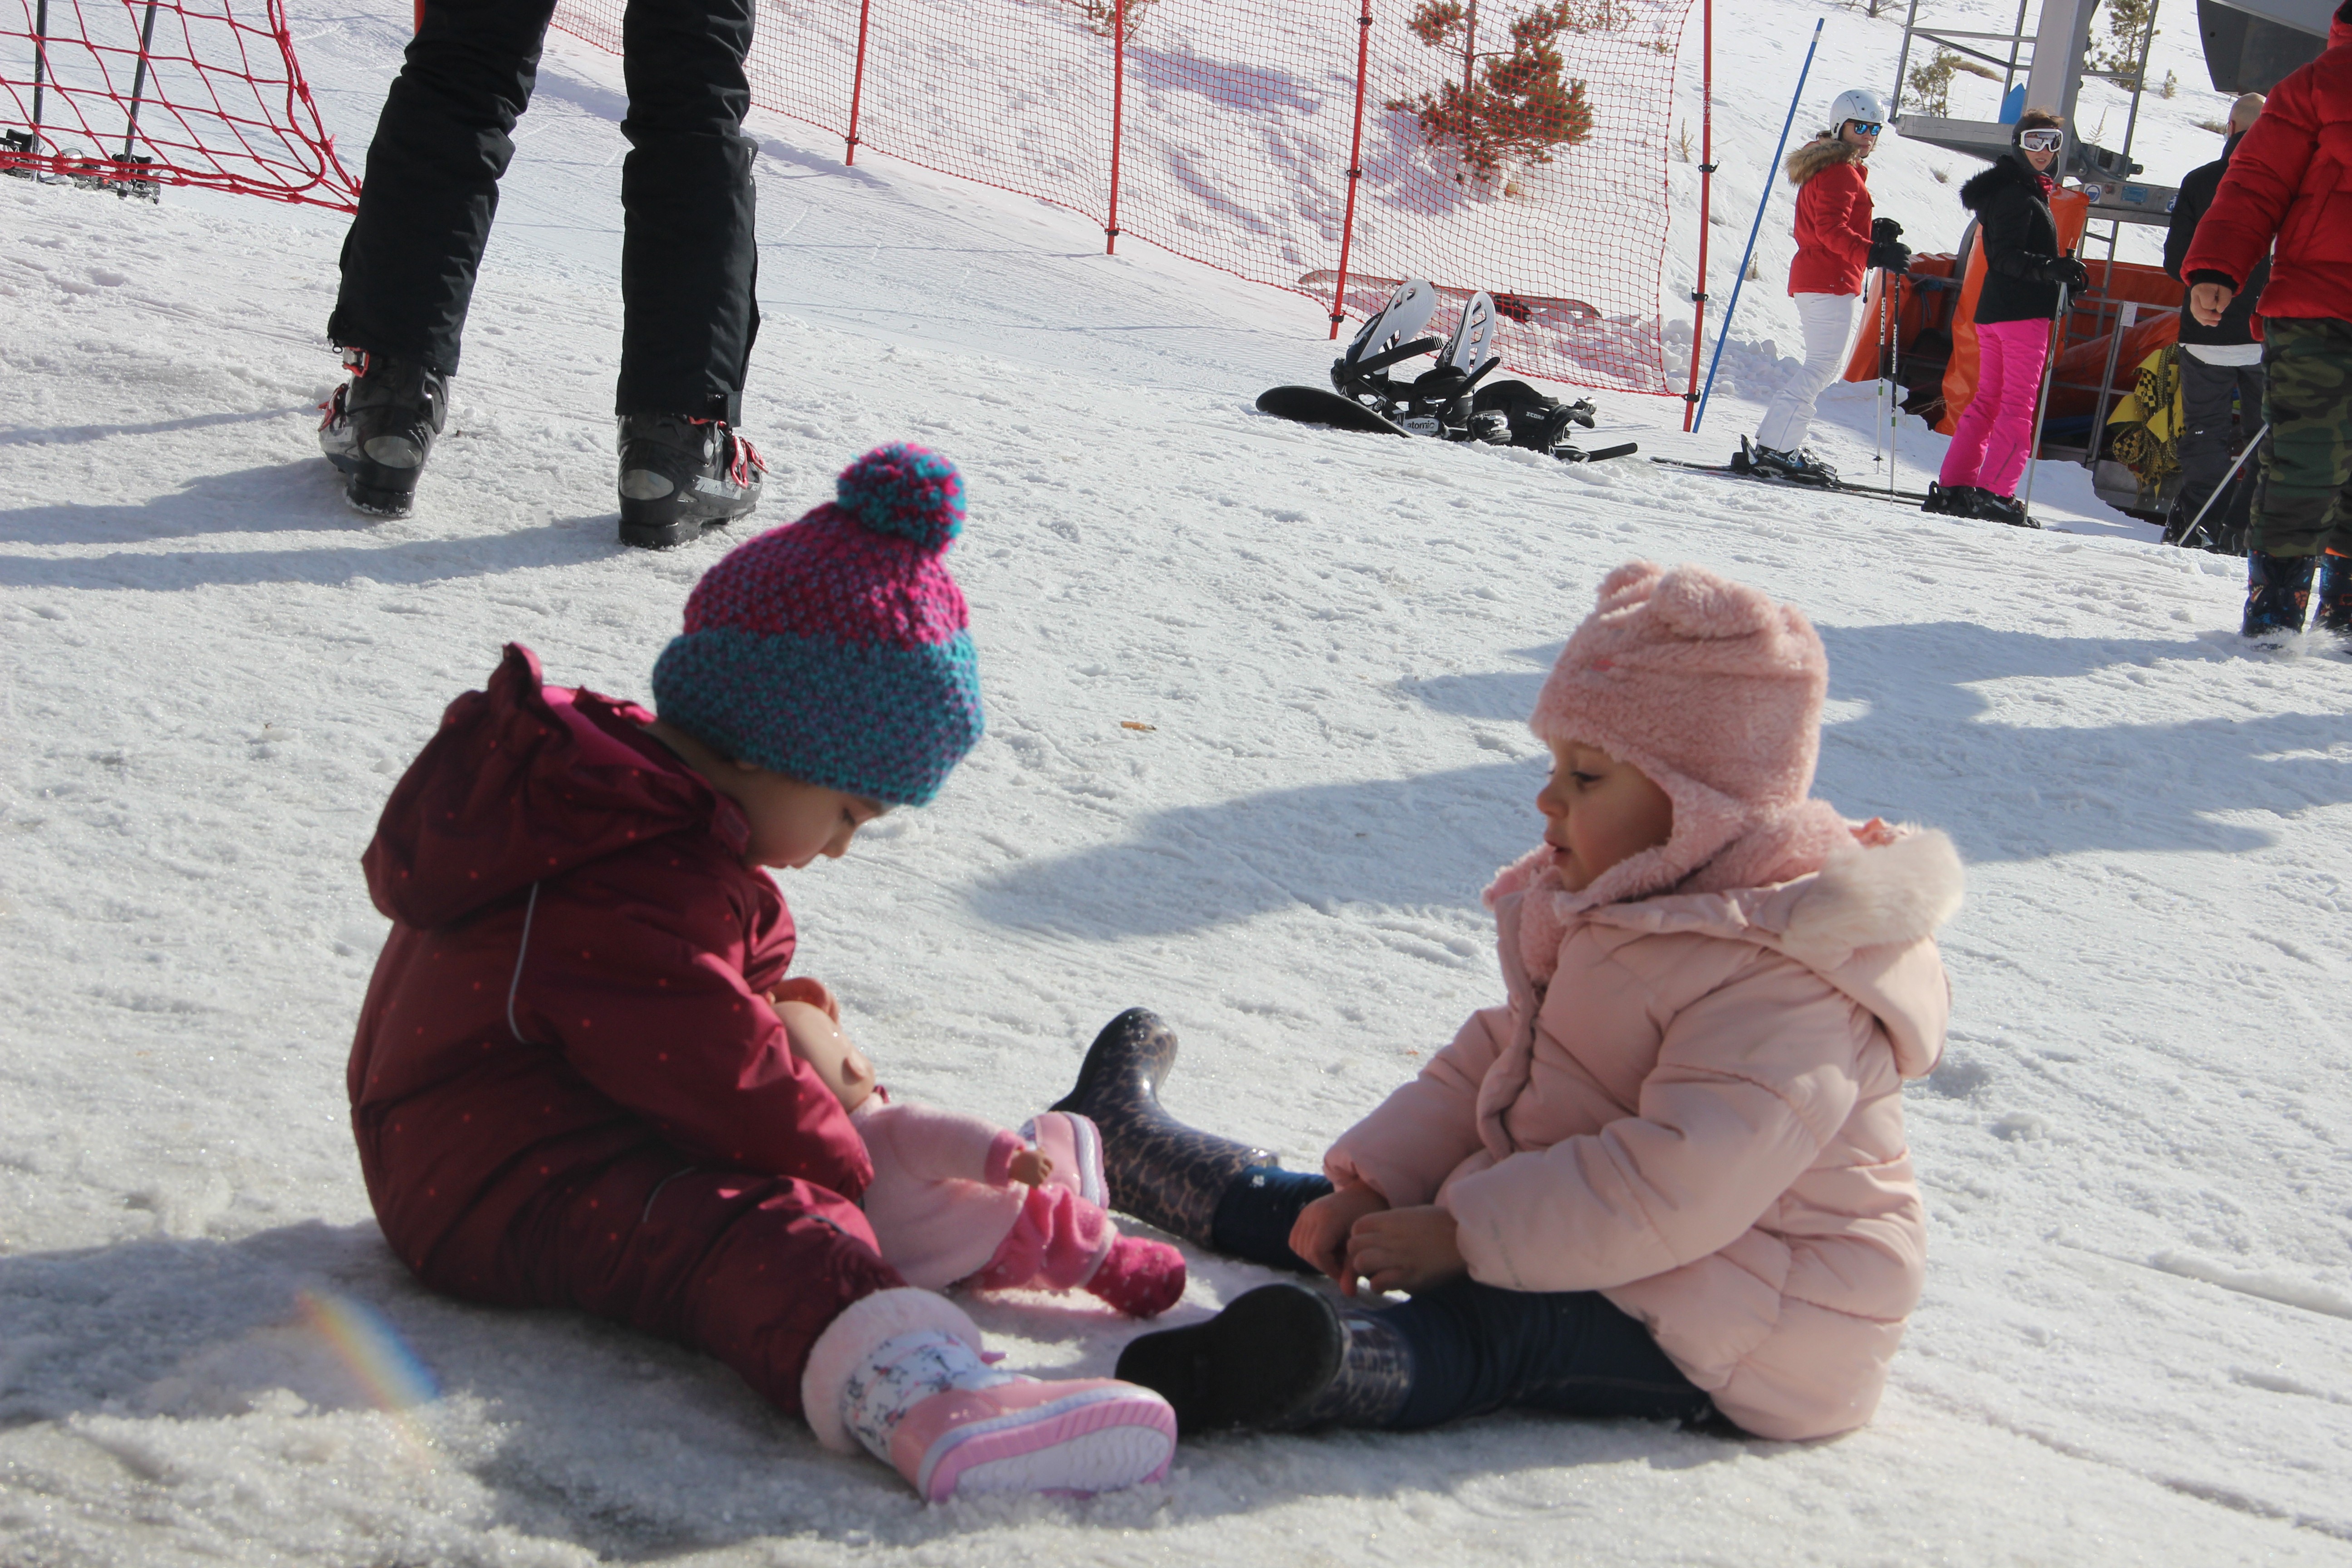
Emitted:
<point x="857" y="85"/>
<point x="1117" y="118"/>
<point x="1355" y="168"/>
<point x="1705" y="179"/>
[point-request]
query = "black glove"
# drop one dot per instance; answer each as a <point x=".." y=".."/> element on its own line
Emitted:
<point x="1884" y="229"/>
<point x="2062" y="269"/>
<point x="1890" y="254"/>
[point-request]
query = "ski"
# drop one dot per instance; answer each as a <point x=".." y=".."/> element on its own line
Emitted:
<point x="1909" y="498"/>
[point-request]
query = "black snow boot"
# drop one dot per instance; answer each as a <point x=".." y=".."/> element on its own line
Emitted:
<point x="681" y="475"/>
<point x="2333" y="614"/>
<point x="1280" y="1358"/>
<point x="1159" y="1169"/>
<point x="2001" y="509"/>
<point x="2278" y="590"/>
<point x="379" y="428"/>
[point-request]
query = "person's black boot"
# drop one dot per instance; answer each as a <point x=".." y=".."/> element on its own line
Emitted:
<point x="680" y="475"/>
<point x="1280" y="1358"/>
<point x="1159" y="1169"/>
<point x="379" y="428"/>
<point x="2278" y="590"/>
<point x="2334" y="612"/>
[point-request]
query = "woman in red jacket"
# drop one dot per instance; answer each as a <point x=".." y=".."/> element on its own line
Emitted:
<point x="1837" y="241"/>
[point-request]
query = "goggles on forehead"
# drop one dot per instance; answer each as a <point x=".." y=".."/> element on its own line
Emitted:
<point x="1865" y="127"/>
<point x="2040" y="141"/>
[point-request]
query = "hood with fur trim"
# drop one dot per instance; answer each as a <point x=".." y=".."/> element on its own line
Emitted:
<point x="1820" y="153"/>
<point x="1862" y="922"/>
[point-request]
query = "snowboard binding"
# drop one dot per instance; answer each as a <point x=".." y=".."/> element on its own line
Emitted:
<point x="1448" y="400"/>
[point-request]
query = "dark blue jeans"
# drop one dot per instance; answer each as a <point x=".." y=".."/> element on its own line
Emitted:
<point x="1477" y="1348"/>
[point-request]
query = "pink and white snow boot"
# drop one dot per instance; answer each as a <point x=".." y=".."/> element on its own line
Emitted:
<point x="900" y="1373"/>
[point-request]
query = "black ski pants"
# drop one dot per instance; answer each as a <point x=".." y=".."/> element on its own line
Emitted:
<point x="688" y="260"/>
<point x="2206" y="391"/>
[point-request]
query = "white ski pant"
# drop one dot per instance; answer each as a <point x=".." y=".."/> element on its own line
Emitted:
<point x="1828" y="320"/>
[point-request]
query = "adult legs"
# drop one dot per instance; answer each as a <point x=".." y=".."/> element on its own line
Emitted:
<point x="1964" y="461"/>
<point x="443" y="141"/>
<point x="2303" y="505"/>
<point x="1827" y="322"/>
<point x="2022" y="347"/>
<point x="688" y="258"/>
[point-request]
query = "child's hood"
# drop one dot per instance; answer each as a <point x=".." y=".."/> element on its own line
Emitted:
<point x="1864" y="923"/>
<point x="524" y="782"/>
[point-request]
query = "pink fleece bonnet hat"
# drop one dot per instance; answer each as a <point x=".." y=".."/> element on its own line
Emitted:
<point x="1714" y="692"/>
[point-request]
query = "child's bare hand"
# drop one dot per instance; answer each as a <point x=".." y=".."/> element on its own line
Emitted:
<point x="1405" y="1250"/>
<point x="1319" y="1234"/>
<point x="1031" y="1168"/>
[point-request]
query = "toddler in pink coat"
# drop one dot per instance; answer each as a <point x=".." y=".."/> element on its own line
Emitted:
<point x="1667" y="1176"/>
<point x="957" y="1200"/>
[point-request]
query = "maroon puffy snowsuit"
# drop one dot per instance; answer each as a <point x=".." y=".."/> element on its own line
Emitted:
<point x="568" y="1089"/>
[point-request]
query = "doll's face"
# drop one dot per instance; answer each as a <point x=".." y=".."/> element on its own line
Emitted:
<point x="1598" y="811"/>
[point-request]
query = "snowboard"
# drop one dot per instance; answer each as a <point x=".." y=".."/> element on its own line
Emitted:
<point x="1527" y="309"/>
<point x="1320" y="405"/>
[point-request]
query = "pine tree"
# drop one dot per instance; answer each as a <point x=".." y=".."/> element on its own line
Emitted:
<point x="1512" y="107"/>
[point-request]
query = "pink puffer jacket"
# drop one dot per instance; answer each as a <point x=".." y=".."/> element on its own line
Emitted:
<point x="1700" y="1116"/>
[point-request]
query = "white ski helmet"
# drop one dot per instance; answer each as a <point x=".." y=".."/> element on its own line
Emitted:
<point x="1856" y="103"/>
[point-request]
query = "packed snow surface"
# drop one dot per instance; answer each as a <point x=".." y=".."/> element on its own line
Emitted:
<point x="1256" y="742"/>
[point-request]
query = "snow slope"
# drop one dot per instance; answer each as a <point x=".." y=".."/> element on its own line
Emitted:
<point x="2139" y="1311"/>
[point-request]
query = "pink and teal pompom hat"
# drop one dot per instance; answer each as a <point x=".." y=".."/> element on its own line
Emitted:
<point x="837" y="649"/>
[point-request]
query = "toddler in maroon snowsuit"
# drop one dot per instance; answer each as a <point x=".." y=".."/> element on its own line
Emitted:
<point x="570" y="1088"/>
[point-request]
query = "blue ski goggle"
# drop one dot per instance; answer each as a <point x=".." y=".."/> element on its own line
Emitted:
<point x="1865" y="127"/>
<point x="2040" y="141"/>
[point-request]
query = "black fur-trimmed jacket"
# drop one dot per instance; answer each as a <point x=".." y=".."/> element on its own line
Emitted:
<point x="2017" y="231"/>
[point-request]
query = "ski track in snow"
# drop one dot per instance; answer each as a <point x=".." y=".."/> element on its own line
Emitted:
<point x="2138" y="1315"/>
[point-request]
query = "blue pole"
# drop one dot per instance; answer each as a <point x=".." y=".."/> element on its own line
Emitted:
<point x="1771" y="177"/>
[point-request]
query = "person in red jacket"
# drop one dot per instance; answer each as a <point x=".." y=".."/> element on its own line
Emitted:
<point x="2290" y="183"/>
<point x="571" y="1085"/>
<point x="1837" y="241"/>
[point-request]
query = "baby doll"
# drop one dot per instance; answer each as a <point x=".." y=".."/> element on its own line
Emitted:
<point x="957" y="1200"/>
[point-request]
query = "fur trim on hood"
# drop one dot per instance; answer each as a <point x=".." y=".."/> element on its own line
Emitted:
<point x="1988" y="183"/>
<point x="1820" y="153"/>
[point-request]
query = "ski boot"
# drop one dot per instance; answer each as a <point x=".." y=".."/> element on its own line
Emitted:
<point x="1953" y="501"/>
<point x="379" y="428"/>
<point x="681" y="475"/>
<point x="2335" y="612"/>
<point x="1282" y="1357"/>
<point x="1538" y="422"/>
<point x="2001" y="509"/>
<point x="1798" y="467"/>
<point x="2278" y="590"/>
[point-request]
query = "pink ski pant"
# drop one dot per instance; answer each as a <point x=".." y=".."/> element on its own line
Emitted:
<point x="1989" y="448"/>
<point x="1057" y="1243"/>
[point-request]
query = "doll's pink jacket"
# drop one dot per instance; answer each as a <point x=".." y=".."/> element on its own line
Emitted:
<point x="1700" y="1117"/>
<point x="942" y="1199"/>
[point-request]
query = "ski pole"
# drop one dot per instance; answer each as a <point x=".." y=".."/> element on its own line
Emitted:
<point x="1877" y="433"/>
<point x="1894" y="393"/>
<point x="2198" y="524"/>
<point x="1723" y="328"/>
<point x="2042" y="404"/>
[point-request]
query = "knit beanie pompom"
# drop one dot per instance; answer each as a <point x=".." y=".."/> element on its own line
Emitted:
<point x="904" y="489"/>
<point x="837" y="649"/>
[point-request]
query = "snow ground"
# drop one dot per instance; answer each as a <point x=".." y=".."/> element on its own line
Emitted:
<point x="2138" y="1319"/>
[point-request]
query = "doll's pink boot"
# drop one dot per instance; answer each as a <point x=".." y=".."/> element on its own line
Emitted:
<point x="1142" y="1278"/>
<point x="900" y="1373"/>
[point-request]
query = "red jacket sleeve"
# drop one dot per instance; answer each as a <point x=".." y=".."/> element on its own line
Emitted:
<point x="2264" y="174"/>
<point x="643" y="970"/>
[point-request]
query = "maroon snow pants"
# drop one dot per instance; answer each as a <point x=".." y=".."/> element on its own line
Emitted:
<point x="748" y="1269"/>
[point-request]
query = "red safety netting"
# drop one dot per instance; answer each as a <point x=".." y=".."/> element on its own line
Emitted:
<point x="132" y="94"/>
<point x="1226" y="131"/>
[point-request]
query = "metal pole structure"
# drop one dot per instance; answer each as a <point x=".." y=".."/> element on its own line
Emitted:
<point x="139" y="78"/>
<point x="1117" y="118"/>
<point x="1771" y="175"/>
<point x="2127" y="314"/>
<point x="1894" y="98"/>
<point x="1881" y="368"/>
<point x="856" y="86"/>
<point x="2042" y="403"/>
<point x="2139" y="85"/>
<point x="40" y="66"/>
<point x="1706" y="183"/>
<point x="1355" y="166"/>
